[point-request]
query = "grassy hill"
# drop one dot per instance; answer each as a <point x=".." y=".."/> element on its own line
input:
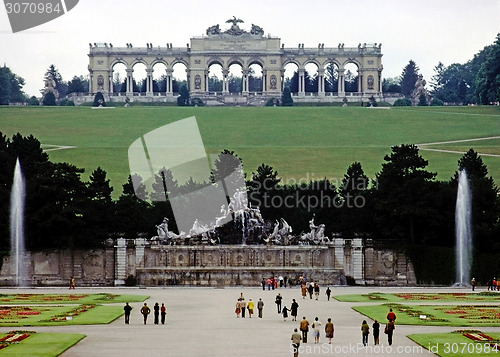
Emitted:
<point x="300" y="142"/>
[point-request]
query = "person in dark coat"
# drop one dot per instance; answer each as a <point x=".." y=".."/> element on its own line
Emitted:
<point x="278" y="302"/>
<point x="284" y="311"/>
<point x="294" y="309"/>
<point x="163" y="311"/>
<point x="127" y="308"/>
<point x="156" y="309"/>
<point x="376" y="332"/>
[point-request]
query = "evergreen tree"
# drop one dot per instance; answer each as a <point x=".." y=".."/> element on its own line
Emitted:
<point x="409" y="78"/>
<point x="183" y="98"/>
<point x="49" y="99"/>
<point x="286" y="98"/>
<point x="99" y="100"/>
<point x="488" y="76"/>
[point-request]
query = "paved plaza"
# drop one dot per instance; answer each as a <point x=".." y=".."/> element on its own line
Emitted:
<point x="202" y="322"/>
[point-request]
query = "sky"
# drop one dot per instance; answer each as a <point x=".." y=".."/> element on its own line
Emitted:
<point x="450" y="31"/>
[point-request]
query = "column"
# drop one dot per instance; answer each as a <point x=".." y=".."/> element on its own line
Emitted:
<point x="360" y="81"/>
<point x="341" y="84"/>
<point x="91" y="82"/>
<point x="321" y="82"/>
<point x="245" y="81"/>
<point x="120" y="261"/>
<point x="206" y="81"/>
<point x="168" y="82"/>
<point x="110" y="80"/>
<point x="358" y="260"/>
<point x="264" y="80"/>
<point x="139" y="252"/>
<point x="149" y="82"/>
<point x="282" y="83"/>
<point x="302" y="86"/>
<point x="130" y="78"/>
<point x="225" y="83"/>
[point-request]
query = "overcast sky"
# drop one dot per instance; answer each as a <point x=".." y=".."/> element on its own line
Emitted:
<point x="427" y="31"/>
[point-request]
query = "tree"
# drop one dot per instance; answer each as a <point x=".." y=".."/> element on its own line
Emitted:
<point x="293" y="82"/>
<point x="183" y="98"/>
<point x="78" y="85"/>
<point x="33" y="101"/>
<point x="331" y="78"/>
<point x="351" y="82"/>
<point x="403" y="195"/>
<point x="10" y="87"/>
<point x="391" y="85"/>
<point x="254" y="81"/>
<point x="286" y="98"/>
<point x="409" y="78"/>
<point x="422" y="100"/>
<point x="488" y="76"/>
<point x="214" y="84"/>
<point x="99" y="100"/>
<point x="49" y="99"/>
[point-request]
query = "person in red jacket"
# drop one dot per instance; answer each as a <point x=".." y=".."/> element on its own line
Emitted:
<point x="391" y="316"/>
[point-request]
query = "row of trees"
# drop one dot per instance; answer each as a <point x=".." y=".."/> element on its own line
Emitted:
<point x="404" y="202"/>
<point x="476" y="81"/>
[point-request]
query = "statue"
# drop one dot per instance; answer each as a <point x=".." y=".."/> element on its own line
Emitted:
<point x="50" y="86"/>
<point x="235" y="29"/>
<point x="419" y="90"/>
<point x="213" y="30"/>
<point x="162" y="229"/>
<point x="257" y="30"/>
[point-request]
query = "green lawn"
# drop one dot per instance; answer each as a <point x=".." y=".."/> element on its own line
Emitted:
<point x="299" y="142"/>
<point x="70" y="298"/>
<point x="42" y="345"/>
<point x="424" y="297"/>
<point x="456" y="344"/>
<point x="435" y="315"/>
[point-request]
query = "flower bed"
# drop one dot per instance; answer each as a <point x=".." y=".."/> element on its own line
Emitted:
<point x="475" y="313"/>
<point x="70" y="314"/>
<point x="11" y="314"/>
<point x="14" y="337"/>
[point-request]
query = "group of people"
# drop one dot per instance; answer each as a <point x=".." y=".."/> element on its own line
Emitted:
<point x="242" y="306"/>
<point x="313" y="288"/>
<point x="145" y="311"/>
<point x="388" y="330"/>
<point x="493" y="284"/>
<point x="298" y="337"/>
<point x="275" y="282"/>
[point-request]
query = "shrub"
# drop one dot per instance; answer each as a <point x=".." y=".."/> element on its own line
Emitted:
<point x="33" y="101"/>
<point x="99" y="100"/>
<point x="49" y="99"/>
<point x="435" y="102"/>
<point x="67" y="103"/>
<point x="197" y="102"/>
<point x="402" y="102"/>
<point x="272" y="101"/>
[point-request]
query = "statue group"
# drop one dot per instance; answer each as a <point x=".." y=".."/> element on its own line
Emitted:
<point x="243" y="224"/>
<point x="235" y="29"/>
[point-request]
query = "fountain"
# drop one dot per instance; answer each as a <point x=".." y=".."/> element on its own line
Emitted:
<point x="17" y="225"/>
<point x="463" y="231"/>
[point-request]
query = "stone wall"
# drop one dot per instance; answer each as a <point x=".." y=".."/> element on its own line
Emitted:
<point x="340" y="262"/>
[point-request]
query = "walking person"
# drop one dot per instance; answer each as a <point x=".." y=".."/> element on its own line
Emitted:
<point x="391" y="316"/>
<point x="295" y="342"/>
<point x="250" y="307"/>
<point x="315" y="326"/>
<point x="389" y="330"/>
<point x="328" y="293"/>
<point x="310" y="290"/>
<point x="329" y="330"/>
<point x="278" y="302"/>
<point x="145" y="310"/>
<point x="473" y="283"/>
<point x="303" y="290"/>
<point x="285" y="312"/>
<point x="376" y="332"/>
<point x="237" y="309"/>
<point x="304" y="328"/>
<point x="294" y="310"/>
<point x="365" y="331"/>
<point x="156" y="310"/>
<point x="163" y="311"/>
<point x="316" y="291"/>
<point x="243" y="306"/>
<point x="72" y="283"/>
<point x="127" y="308"/>
<point x="263" y="283"/>
<point x="260" y="307"/>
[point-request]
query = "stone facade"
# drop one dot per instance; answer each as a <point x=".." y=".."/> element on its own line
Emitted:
<point x="242" y="48"/>
<point x="340" y="262"/>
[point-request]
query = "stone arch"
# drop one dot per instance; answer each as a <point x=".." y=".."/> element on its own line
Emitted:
<point x="236" y="60"/>
<point x="159" y="61"/>
<point x="215" y="77"/>
<point x="311" y="77"/>
<point x="331" y="76"/>
<point x="139" y="76"/>
<point x="351" y="76"/>
<point x="255" y="80"/>
<point x="290" y="76"/>
<point x="234" y="82"/>
<point x="255" y="60"/>
<point x="118" y="77"/>
<point x="179" y="76"/>
<point x="159" y="76"/>
<point x="215" y="60"/>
